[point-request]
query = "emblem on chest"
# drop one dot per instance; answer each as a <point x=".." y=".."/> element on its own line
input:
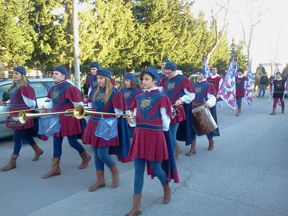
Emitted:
<point x="94" y="83"/>
<point x="100" y="96"/>
<point x="55" y="94"/>
<point x="279" y="84"/>
<point x="198" y="89"/>
<point x="171" y="86"/>
<point x="145" y="103"/>
<point x="238" y="81"/>
<point x="127" y="94"/>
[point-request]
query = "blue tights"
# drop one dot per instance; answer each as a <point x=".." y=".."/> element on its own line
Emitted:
<point x="139" y="173"/>
<point x="239" y="102"/>
<point x="101" y="157"/>
<point x="57" y="144"/>
<point x="173" y="131"/>
<point x="17" y="137"/>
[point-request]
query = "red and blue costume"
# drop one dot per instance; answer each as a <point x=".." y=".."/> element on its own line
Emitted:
<point x="150" y="143"/>
<point x="203" y="88"/>
<point x="240" y="89"/>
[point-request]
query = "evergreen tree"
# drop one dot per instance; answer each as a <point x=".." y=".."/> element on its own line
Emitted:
<point x="237" y="51"/>
<point x="49" y="44"/>
<point x="16" y="36"/>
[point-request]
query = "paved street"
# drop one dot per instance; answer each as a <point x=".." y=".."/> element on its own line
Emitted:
<point x="246" y="174"/>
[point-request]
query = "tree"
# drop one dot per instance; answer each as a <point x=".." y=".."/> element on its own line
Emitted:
<point x="219" y="8"/>
<point x="48" y="45"/>
<point x="16" y="33"/>
<point x="237" y="51"/>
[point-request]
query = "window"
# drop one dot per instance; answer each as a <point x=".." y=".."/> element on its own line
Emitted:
<point x="39" y="88"/>
<point x="4" y="95"/>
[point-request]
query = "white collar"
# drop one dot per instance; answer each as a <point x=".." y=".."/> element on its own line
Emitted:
<point x="200" y="81"/>
<point x="240" y="76"/>
<point x="215" y="76"/>
<point x="279" y="79"/>
<point x="151" y="89"/>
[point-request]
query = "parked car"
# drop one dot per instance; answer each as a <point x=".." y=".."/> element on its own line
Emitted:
<point x="41" y="88"/>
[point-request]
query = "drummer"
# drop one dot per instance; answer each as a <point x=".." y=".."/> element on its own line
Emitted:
<point x="205" y="95"/>
<point x="179" y="90"/>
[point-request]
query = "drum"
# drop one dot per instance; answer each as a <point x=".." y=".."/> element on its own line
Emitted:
<point x="202" y="121"/>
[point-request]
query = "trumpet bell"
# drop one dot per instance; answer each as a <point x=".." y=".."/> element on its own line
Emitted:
<point x="79" y="112"/>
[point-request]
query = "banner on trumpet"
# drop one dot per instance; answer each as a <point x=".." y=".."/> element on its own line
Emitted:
<point x="49" y="125"/>
<point x="107" y="128"/>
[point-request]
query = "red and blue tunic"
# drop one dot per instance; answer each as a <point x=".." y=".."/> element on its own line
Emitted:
<point x="93" y="81"/>
<point x="240" y="84"/>
<point x="62" y="96"/>
<point x="17" y="103"/>
<point x="116" y="100"/>
<point x="174" y="89"/>
<point x="130" y="94"/>
<point x="149" y="140"/>
<point x="215" y="81"/>
<point x="202" y="89"/>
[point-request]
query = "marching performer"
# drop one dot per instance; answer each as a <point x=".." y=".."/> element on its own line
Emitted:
<point x="278" y="92"/>
<point x="241" y="81"/>
<point x="22" y="97"/>
<point x="179" y="90"/>
<point x="162" y="74"/>
<point x="94" y="66"/>
<point x="215" y="79"/>
<point x="151" y="142"/>
<point x="106" y="98"/>
<point x="65" y="96"/>
<point x="130" y="91"/>
<point x="205" y="94"/>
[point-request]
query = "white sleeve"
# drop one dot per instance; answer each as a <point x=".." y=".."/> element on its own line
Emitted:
<point x="29" y="102"/>
<point x="160" y="88"/>
<point x="89" y="90"/>
<point x="7" y="103"/>
<point x="118" y="111"/>
<point x="77" y="103"/>
<point x="165" y="119"/>
<point x="188" y="97"/>
<point x="211" y="100"/>
<point x="48" y="105"/>
<point x="133" y="124"/>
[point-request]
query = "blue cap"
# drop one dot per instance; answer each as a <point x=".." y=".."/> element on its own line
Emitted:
<point x="61" y="69"/>
<point x="153" y="72"/>
<point x="20" y="69"/>
<point x="166" y="60"/>
<point x="94" y="64"/>
<point x="170" y="66"/>
<point x="129" y="76"/>
<point x="104" y="72"/>
<point x="201" y="70"/>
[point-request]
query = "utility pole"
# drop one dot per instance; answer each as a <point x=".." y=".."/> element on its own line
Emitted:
<point x="76" y="44"/>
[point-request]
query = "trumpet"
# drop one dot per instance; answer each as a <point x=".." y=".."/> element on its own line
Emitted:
<point x="79" y="112"/>
<point x="16" y="111"/>
<point x="23" y="116"/>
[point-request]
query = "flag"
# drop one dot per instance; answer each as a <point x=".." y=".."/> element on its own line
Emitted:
<point x="227" y="90"/>
<point x="248" y="88"/>
<point x="206" y="68"/>
<point x="236" y="68"/>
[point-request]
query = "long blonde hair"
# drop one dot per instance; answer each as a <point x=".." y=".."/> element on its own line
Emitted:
<point x="108" y="91"/>
<point x="21" y="82"/>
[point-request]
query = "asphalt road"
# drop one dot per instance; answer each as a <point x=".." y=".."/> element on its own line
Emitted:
<point x="245" y="174"/>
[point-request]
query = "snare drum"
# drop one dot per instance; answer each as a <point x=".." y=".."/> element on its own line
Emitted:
<point x="202" y="121"/>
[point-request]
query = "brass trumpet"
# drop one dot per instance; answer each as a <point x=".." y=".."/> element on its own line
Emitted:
<point x="23" y="116"/>
<point x="16" y="111"/>
<point x="79" y="112"/>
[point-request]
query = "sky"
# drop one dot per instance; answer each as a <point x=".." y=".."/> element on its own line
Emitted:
<point x="270" y="32"/>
